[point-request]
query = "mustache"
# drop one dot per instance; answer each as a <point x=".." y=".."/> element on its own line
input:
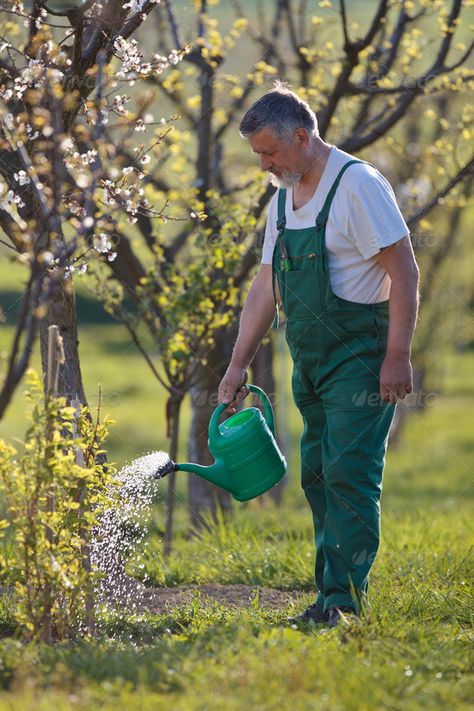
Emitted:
<point x="283" y="178"/>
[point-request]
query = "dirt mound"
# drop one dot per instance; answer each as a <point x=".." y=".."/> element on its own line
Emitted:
<point x="160" y="600"/>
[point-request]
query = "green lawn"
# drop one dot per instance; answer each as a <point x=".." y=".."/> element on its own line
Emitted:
<point x="413" y="653"/>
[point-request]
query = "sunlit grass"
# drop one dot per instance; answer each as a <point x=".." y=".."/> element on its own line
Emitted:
<point x="414" y="651"/>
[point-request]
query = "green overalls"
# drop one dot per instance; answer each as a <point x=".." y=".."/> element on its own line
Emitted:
<point x="337" y="347"/>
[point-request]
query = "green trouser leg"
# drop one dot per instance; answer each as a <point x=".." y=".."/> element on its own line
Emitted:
<point x="354" y="447"/>
<point x="342" y="481"/>
<point x="312" y="480"/>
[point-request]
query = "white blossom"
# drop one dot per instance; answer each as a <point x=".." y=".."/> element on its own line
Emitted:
<point x="174" y="56"/>
<point x="102" y="243"/>
<point x="109" y="190"/>
<point x="29" y="76"/>
<point x="111" y="256"/>
<point x="67" y="144"/>
<point x="83" y="180"/>
<point x="88" y="157"/>
<point x="14" y="199"/>
<point x="47" y="257"/>
<point x="22" y="178"/>
<point x="134" y="5"/>
<point x="32" y="134"/>
<point x="118" y="105"/>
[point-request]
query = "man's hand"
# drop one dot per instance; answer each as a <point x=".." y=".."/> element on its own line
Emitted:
<point x="395" y="378"/>
<point x="399" y="262"/>
<point x="233" y="389"/>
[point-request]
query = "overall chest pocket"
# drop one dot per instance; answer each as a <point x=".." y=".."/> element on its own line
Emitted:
<point x="299" y="262"/>
<point x="301" y="299"/>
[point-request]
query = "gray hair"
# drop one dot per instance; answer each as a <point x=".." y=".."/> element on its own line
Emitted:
<point x="282" y="111"/>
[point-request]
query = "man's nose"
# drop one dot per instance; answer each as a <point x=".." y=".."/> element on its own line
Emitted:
<point x="265" y="163"/>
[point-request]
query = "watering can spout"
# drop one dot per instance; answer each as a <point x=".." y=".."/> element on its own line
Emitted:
<point x="215" y="473"/>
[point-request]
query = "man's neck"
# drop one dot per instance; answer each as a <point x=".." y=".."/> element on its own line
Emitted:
<point x="316" y="163"/>
<point x="309" y="181"/>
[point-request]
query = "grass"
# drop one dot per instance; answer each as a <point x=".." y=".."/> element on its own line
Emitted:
<point x="414" y="652"/>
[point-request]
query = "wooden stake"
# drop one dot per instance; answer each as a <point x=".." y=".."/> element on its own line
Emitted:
<point x="85" y="550"/>
<point x="55" y="360"/>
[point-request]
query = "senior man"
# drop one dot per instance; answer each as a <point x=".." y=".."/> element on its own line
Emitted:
<point x="337" y="257"/>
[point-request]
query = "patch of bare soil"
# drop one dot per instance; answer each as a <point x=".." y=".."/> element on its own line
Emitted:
<point x="161" y="600"/>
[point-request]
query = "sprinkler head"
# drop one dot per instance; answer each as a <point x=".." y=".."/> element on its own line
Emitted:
<point x="165" y="468"/>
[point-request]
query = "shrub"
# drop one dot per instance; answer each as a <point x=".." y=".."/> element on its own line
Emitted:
<point x="55" y="490"/>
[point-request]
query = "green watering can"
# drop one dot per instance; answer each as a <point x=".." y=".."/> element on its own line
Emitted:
<point x="248" y="461"/>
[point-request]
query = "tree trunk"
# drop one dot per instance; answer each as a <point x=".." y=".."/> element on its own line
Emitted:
<point x="173" y="411"/>
<point x="205" y="498"/>
<point x="62" y="312"/>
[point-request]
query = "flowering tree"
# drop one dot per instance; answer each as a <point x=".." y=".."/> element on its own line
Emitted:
<point x="66" y="195"/>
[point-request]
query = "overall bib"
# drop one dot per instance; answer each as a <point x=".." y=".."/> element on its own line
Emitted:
<point x="337" y="347"/>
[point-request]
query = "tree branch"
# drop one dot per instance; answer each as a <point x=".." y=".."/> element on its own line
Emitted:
<point x="27" y="323"/>
<point x="173" y="23"/>
<point x="350" y="61"/>
<point x="467" y="171"/>
<point x="342" y="10"/>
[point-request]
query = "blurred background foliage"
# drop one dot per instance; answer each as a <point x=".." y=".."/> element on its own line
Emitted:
<point x="390" y="83"/>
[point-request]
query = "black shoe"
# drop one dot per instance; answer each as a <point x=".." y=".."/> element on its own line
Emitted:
<point x="314" y="613"/>
<point x="337" y="615"/>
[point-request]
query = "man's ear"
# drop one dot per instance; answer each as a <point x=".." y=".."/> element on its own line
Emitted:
<point x="302" y="136"/>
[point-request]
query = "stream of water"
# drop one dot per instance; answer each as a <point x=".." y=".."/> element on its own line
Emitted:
<point x="122" y="532"/>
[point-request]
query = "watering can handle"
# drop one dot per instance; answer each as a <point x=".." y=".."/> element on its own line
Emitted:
<point x="267" y="406"/>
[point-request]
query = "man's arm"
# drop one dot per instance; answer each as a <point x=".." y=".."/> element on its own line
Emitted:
<point x="256" y="318"/>
<point x="396" y="372"/>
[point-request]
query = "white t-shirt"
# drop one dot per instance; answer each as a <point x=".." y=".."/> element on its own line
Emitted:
<point x="364" y="217"/>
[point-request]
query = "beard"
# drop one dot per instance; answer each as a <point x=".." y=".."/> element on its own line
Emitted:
<point x="285" y="179"/>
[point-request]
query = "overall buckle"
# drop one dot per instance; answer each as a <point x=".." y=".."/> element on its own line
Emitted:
<point x="321" y="221"/>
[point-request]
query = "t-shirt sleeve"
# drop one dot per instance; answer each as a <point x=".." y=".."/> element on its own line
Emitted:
<point x="374" y="219"/>
<point x="271" y="232"/>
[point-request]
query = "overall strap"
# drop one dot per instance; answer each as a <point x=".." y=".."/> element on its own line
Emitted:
<point x="281" y="222"/>
<point x="322" y="218"/>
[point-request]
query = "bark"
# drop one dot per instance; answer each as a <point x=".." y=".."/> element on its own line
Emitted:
<point x="62" y="312"/>
<point x="205" y="498"/>
<point x="173" y="412"/>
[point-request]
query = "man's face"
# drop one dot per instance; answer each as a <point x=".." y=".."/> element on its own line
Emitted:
<point x="281" y="159"/>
